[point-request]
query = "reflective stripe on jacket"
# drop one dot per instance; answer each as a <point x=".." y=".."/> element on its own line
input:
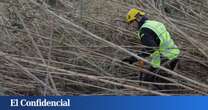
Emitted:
<point x="167" y="46"/>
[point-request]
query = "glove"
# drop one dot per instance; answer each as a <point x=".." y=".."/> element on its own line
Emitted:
<point x="127" y="60"/>
<point x="130" y="60"/>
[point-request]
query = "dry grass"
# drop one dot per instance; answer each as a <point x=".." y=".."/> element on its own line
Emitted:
<point x="67" y="47"/>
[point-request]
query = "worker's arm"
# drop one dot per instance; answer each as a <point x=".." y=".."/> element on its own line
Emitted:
<point x="149" y="39"/>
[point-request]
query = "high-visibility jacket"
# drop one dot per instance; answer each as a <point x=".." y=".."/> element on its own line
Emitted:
<point x="167" y="47"/>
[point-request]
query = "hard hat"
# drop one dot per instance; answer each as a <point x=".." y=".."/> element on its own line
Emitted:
<point x="131" y="16"/>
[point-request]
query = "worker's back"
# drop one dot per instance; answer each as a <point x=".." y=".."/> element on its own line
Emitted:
<point x="167" y="46"/>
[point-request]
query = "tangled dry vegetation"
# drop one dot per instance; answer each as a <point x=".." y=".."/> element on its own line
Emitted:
<point x="75" y="47"/>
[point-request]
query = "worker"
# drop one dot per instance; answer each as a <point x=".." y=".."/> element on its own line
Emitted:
<point x="159" y="46"/>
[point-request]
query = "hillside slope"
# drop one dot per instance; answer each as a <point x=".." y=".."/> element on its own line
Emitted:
<point x="75" y="47"/>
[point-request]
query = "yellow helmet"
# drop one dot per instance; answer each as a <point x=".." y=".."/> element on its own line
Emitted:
<point x="131" y="16"/>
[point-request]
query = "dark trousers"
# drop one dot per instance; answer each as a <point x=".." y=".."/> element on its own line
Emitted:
<point x="152" y="78"/>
